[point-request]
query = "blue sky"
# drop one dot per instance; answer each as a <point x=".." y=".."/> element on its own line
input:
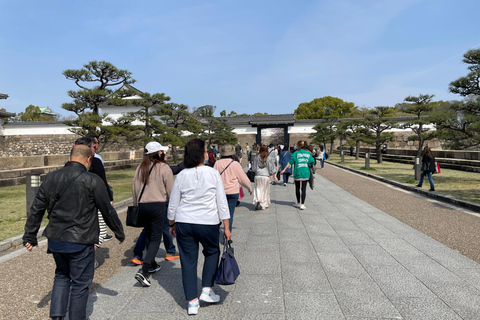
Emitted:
<point x="246" y="56"/>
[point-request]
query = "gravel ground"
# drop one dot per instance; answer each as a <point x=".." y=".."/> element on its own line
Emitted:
<point x="26" y="281"/>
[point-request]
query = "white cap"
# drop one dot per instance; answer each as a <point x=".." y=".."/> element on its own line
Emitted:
<point x="281" y="146"/>
<point x="154" y="146"/>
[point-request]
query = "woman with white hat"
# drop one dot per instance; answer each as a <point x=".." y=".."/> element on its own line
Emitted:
<point x="155" y="177"/>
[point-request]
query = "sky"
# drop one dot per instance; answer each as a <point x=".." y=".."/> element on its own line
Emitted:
<point x="243" y="56"/>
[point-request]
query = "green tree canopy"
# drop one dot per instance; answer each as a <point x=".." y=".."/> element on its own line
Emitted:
<point x="324" y="107"/>
<point x="88" y="100"/>
<point x="420" y="106"/>
<point x="32" y="114"/>
<point x="103" y="75"/>
<point x="469" y="84"/>
<point x="458" y="122"/>
<point x="214" y="130"/>
<point x="379" y="121"/>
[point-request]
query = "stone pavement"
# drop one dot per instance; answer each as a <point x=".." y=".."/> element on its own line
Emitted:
<point x="341" y="258"/>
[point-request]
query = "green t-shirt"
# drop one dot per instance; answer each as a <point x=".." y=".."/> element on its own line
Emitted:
<point x="300" y="161"/>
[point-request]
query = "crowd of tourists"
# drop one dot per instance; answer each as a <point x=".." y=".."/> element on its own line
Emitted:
<point x="194" y="207"/>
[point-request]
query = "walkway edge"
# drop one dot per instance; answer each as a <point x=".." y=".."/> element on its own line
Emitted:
<point x="11" y="243"/>
<point x="464" y="204"/>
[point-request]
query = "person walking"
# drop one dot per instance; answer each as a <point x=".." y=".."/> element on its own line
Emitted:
<point x="428" y="167"/>
<point x="156" y="176"/>
<point x="198" y="205"/>
<point x="140" y="245"/>
<point x="321" y="157"/>
<point x="239" y="152"/>
<point x="232" y="175"/>
<point x="71" y="196"/>
<point x="272" y="153"/>
<point x="301" y="160"/>
<point x="264" y="167"/>
<point x="284" y="158"/>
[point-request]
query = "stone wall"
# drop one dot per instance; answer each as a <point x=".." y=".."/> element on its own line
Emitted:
<point x="41" y="145"/>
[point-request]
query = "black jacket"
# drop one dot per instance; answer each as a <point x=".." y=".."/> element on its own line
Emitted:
<point x="74" y="217"/>
<point x="428" y="164"/>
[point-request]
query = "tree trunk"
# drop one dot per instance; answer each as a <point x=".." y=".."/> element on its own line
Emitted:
<point x="420" y="147"/>
<point x="357" y="150"/>
<point x="175" y="154"/>
<point x="378" y="152"/>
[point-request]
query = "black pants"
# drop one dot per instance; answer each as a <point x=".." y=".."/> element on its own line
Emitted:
<point x="154" y="213"/>
<point x="304" y="190"/>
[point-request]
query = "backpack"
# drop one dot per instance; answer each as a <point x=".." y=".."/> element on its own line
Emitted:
<point x="326" y="156"/>
<point x="211" y="159"/>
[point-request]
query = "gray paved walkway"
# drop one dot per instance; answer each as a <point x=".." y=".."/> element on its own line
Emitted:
<point x="339" y="259"/>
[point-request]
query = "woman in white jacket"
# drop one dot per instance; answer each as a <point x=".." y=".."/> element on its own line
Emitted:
<point x="197" y="206"/>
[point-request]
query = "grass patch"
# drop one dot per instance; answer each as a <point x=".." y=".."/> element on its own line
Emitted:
<point x="368" y="169"/>
<point x="457" y="184"/>
<point x="13" y="200"/>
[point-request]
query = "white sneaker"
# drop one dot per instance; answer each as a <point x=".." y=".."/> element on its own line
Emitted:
<point x="296" y="205"/>
<point x="302" y="207"/>
<point x="209" y="296"/>
<point x="193" y="307"/>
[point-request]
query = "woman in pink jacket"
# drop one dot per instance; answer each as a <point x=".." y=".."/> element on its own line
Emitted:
<point x="232" y="175"/>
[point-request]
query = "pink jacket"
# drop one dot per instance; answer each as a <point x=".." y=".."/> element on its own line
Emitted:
<point x="232" y="176"/>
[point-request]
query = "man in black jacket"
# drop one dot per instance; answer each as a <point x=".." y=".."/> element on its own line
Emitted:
<point x="71" y="196"/>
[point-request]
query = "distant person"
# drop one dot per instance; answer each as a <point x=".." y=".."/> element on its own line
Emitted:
<point x="428" y="167"/>
<point x="272" y="153"/>
<point x="247" y="150"/>
<point x="301" y="160"/>
<point x="321" y="157"/>
<point x="284" y="158"/>
<point x="239" y="152"/>
<point x="155" y="174"/>
<point x="253" y="153"/>
<point x="71" y="196"/>
<point x="264" y="167"/>
<point x="198" y="205"/>
<point x="384" y="149"/>
<point x="215" y="151"/>
<point x="232" y="175"/>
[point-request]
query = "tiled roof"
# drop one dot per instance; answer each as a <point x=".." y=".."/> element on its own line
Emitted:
<point x="3" y="96"/>
<point x="5" y="114"/>
<point x="289" y="118"/>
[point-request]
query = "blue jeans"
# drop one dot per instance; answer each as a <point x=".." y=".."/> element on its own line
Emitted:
<point x="189" y="235"/>
<point x="73" y="275"/>
<point x="232" y="203"/>
<point x="430" y="179"/>
<point x="285" y="177"/>
<point x="322" y="163"/>
<point x="167" y="241"/>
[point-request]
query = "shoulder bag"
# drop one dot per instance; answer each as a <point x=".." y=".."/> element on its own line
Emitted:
<point x="134" y="218"/>
<point x="228" y="270"/>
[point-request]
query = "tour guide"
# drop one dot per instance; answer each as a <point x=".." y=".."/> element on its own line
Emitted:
<point x="71" y="196"/>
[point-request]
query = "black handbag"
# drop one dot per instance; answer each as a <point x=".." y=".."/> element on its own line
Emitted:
<point x="228" y="270"/>
<point x="134" y="216"/>
<point x="251" y="175"/>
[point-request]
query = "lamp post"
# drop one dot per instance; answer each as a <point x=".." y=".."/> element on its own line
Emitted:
<point x="33" y="183"/>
